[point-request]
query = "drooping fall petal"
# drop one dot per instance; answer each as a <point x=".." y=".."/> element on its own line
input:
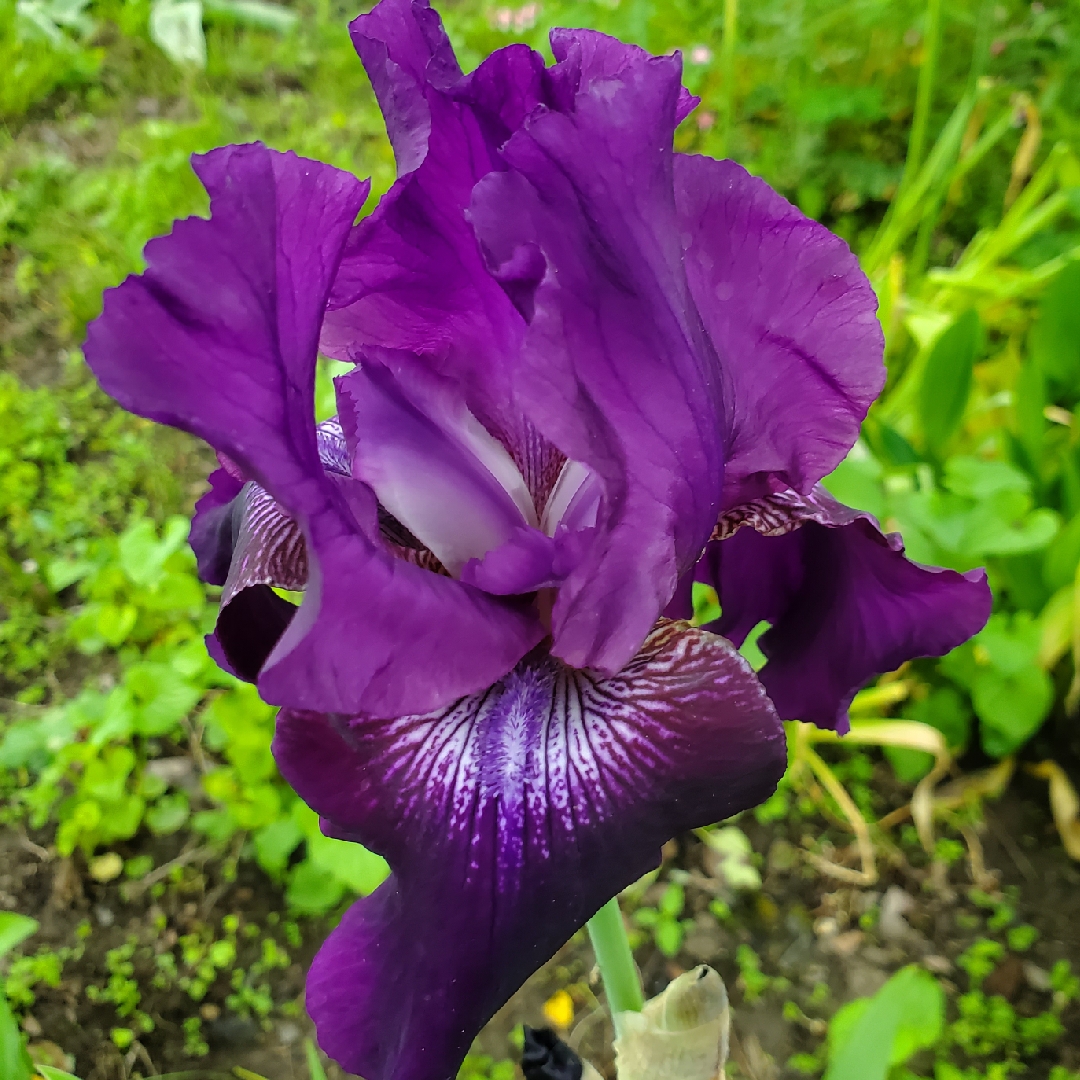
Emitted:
<point x="843" y="602"/>
<point x="508" y="820"/>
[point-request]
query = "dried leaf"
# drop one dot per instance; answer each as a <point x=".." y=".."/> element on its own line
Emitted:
<point x="1064" y="804"/>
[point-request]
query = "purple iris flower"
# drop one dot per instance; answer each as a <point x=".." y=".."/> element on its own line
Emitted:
<point x="588" y="372"/>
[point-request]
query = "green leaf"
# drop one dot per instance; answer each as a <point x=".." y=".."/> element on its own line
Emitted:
<point x="315" y="1069"/>
<point x="168" y="814"/>
<point x="1055" y="337"/>
<point x="856" y="481"/>
<point x="253" y="13"/>
<point x="945" y="710"/>
<point x="164" y="697"/>
<point x="51" y="1073"/>
<point x="869" y="1036"/>
<point x="14" y="929"/>
<point x="352" y="864"/>
<point x="274" y="843"/>
<point x="910" y="766"/>
<point x="313" y="890"/>
<point x="1011" y="707"/>
<point x="115" y="622"/>
<point x="15" y="1062"/>
<point x="946" y="381"/>
<point x="1029" y="400"/>
<point x="977" y="479"/>
<point x="176" y="29"/>
<point x="1063" y="556"/>
<point x="669" y="936"/>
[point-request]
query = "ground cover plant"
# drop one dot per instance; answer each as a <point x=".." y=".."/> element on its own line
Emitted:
<point x="143" y="807"/>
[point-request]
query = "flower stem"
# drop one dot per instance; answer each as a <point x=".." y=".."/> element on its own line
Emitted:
<point x="616" y="961"/>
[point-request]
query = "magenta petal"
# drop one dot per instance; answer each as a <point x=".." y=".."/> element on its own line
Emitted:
<point x="508" y="820"/>
<point x="219" y="338"/>
<point x="793" y="319"/>
<point x="844" y="604"/>
<point x="615" y="370"/>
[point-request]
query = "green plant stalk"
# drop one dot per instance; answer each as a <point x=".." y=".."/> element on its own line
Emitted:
<point x="909" y="203"/>
<point x="924" y="93"/>
<point x="917" y="175"/>
<point x="727" y="71"/>
<point x="615" y="961"/>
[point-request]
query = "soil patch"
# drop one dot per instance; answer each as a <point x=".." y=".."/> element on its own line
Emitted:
<point x="816" y="942"/>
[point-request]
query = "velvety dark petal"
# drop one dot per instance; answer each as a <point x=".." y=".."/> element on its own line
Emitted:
<point x="219" y="337"/>
<point x="249" y="628"/>
<point x="844" y="604"/>
<point x="214" y="527"/>
<point x="544" y="1056"/>
<point x="508" y="820"/>
<point x="793" y="319"/>
<point x="268" y="550"/>
<point x="615" y="370"/>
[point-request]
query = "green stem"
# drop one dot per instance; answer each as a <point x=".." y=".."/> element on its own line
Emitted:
<point x="924" y="94"/>
<point x="727" y="71"/>
<point x="616" y="961"/>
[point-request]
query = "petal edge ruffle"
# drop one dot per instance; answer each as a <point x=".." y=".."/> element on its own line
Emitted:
<point x="843" y="602"/>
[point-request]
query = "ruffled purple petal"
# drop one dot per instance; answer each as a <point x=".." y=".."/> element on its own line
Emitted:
<point x="412" y="277"/>
<point x="509" y="819"/>
<point x="615" y="370"/>
<point x="793" y="319"/>
<point x="219" y="338"/>
<point x="844" y="603"/>
<point x="403" y="47"/>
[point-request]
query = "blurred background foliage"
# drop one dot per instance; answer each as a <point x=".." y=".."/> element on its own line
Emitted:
<point x="940" y="140"/>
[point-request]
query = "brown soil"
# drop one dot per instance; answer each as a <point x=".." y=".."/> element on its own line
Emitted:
<point x="804" y="926"/>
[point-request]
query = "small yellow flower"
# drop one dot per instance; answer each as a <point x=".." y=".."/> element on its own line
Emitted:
<point x="559" y="1009"/>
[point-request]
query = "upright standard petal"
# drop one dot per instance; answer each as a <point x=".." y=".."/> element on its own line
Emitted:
<point x="843" y="602"/>
<point x="219" y="338"/>
<point x="793" y="319"/>
<point x="412" y="277"/>
<point x="509" y="819"/>
<point x="615" y="369"/>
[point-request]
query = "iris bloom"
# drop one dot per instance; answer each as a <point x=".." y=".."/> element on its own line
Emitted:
<point x="588" y="371"/>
